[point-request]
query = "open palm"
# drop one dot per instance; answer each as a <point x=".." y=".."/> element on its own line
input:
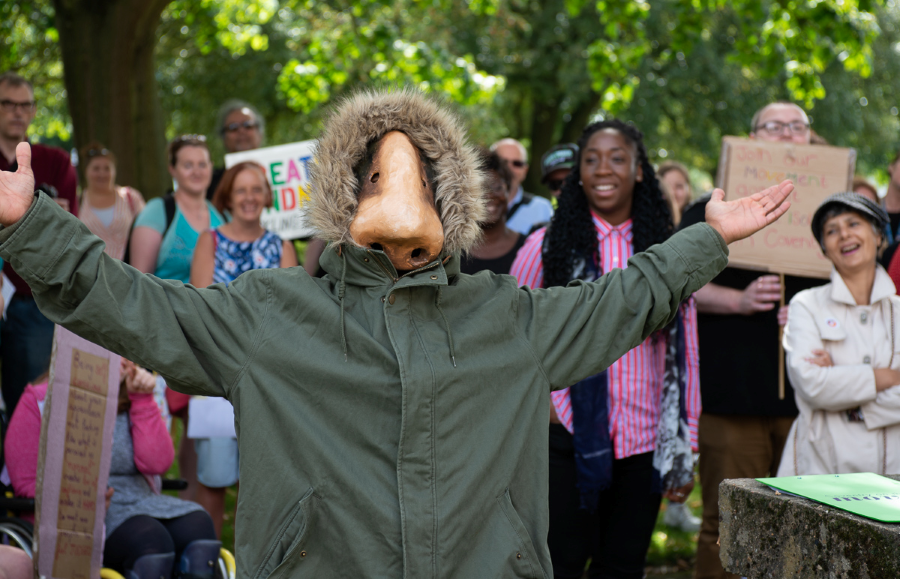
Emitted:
<point x="17" y="189"/>
<point x="743" y="217"/>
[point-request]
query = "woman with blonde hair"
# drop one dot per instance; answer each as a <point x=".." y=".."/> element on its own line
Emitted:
<point x="106" y="208"/>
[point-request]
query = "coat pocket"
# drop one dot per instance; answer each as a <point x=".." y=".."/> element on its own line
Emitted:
<point x="290" y="537"/>
<point x="525" y="559"/>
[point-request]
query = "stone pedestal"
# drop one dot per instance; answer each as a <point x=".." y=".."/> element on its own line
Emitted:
<point x="764" y="534"/>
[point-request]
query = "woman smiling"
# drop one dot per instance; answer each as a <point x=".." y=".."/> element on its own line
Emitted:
<point x="842" y="353"/>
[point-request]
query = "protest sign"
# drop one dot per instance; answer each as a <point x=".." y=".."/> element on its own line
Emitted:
<point x="287" y="169"/>
<point x="77" y="425"/>
<point x="787" y="246"/>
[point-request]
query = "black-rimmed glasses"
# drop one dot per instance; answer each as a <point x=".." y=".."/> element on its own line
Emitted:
<point x="24" y="106"/>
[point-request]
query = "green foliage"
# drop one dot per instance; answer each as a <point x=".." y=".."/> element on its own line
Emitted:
<point x="376" y="43"/>
<point x="29" y="46"/>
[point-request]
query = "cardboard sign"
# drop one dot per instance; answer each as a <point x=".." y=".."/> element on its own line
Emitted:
<point x="287" y="169"/>
<point x="787" y="246"/>
<point x="863" y="493"/>
<point x="77" y="427"/>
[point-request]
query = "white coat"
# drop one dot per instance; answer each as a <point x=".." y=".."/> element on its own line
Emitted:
<point x="823" y="439"/>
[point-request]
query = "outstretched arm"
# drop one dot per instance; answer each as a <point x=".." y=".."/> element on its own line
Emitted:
<point x="198" y="339"/>
<point x="581" y="329"/>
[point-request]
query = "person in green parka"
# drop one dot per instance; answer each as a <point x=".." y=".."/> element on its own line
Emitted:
<point x="392" y="415"/>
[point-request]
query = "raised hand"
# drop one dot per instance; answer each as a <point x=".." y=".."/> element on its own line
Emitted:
<point x="735" y="220"/>
<point x="17" y="189"/>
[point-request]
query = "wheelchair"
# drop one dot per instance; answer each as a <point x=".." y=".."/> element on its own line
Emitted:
<point x="19" y="533"/>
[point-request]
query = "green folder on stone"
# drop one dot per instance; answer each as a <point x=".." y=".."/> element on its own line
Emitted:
<point x="863" y="493"/>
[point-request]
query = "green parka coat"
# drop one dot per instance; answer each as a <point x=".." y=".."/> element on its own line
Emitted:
<point x="389" y="426"/>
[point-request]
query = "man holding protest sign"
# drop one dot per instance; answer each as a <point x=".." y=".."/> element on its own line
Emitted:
<point x="744" y="422"/>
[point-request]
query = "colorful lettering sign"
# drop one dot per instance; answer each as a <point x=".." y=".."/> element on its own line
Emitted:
<point x="287" y="169"/>
<point x="787" y="246"/>
<point x="73" y="465"/>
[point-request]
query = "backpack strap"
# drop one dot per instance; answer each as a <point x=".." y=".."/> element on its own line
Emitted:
<point x="525" y="200"/>
<point x="170" y="208"/>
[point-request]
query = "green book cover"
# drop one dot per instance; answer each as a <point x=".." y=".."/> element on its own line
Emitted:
<point x="863" y="493"/>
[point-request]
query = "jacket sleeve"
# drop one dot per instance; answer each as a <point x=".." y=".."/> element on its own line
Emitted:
<point x="834" y="388"/>
<point x="198" y="339"/>
<point x="884" y="410"/>
<point x="22" y="444"/>
<point x="579" y="330"/>
<point x="153" y="451"/>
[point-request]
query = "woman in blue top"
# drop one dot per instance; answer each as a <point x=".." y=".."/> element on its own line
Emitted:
<point x="164" y="249"/>
<point x="222" y="254"/>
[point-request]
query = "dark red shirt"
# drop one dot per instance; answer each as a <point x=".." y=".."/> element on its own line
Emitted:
<point x="51" y="166"/>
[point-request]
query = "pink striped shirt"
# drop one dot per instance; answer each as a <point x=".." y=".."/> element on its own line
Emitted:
<point x="635" y="379"/>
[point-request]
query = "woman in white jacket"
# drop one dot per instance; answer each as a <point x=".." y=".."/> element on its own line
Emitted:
<point x="842" y="351"/>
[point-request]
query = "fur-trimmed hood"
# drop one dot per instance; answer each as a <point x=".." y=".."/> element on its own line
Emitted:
<point x="439" y="135"/>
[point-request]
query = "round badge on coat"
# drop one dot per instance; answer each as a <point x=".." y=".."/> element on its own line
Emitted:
<point x="831" y="322"/>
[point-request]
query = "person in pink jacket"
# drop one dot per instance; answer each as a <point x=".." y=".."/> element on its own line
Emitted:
<point x="146" y="532"/>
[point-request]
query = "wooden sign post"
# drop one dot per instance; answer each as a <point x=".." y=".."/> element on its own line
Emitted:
<point x="749" y="166"/>
<point x="77" y="426"/>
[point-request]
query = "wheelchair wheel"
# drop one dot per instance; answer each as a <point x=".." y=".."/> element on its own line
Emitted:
<point x="17" y="533"/>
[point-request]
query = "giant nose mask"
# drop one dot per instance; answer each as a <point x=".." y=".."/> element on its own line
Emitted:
<point x="396" y="211"/>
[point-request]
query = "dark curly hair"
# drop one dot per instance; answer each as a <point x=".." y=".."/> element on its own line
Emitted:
<point x="571" y="235"/>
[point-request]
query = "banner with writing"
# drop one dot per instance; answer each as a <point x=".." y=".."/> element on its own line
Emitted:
<point x="863" y="493"/>
<point x="77" y="426"/>
<point x="287" y="169"/>
<point x="787" y="246"/>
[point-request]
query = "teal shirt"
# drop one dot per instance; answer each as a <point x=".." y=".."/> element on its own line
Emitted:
<point x="177" y="249"/>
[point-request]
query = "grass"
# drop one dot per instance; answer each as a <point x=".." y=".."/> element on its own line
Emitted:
<point x="672" y="551"/>
<point x="671" y="555"/>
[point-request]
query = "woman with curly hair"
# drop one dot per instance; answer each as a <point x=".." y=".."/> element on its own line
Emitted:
<point x="619" y="439"/>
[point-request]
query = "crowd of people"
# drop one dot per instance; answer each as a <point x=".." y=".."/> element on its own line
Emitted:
<point x="618" y="442"/>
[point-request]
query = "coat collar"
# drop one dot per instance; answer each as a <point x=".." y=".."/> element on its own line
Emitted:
<point x="371" y="268"/>
<point x="881" y="289"/>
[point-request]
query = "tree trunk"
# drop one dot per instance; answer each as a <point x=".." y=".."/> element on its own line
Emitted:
<point x="107" y="51"/>
<point x="544" y="119"/>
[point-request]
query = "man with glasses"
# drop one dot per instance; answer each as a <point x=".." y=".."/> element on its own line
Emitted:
<point x="242" y="128"/>
<point x="525" y="209"/>
<point x="26" y="336"/>
<point x="744" y="424"/>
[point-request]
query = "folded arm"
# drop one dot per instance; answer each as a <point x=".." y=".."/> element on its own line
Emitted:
<point x="830" y="388"/>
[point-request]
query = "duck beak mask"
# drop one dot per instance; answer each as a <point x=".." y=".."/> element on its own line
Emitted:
<point x="393" y="173"/>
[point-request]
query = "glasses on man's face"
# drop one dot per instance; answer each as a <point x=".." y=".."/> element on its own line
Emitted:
<point x="232" y="127"/>
<point x="777" y="127"/>
<point x="10" y="106"/>
<point x="517" y="163"/>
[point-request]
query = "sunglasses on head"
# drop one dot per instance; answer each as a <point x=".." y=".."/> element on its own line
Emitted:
<point x="232" y="127"/>
<point x="97" y="153"/>
<point x="189" y="138"/>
